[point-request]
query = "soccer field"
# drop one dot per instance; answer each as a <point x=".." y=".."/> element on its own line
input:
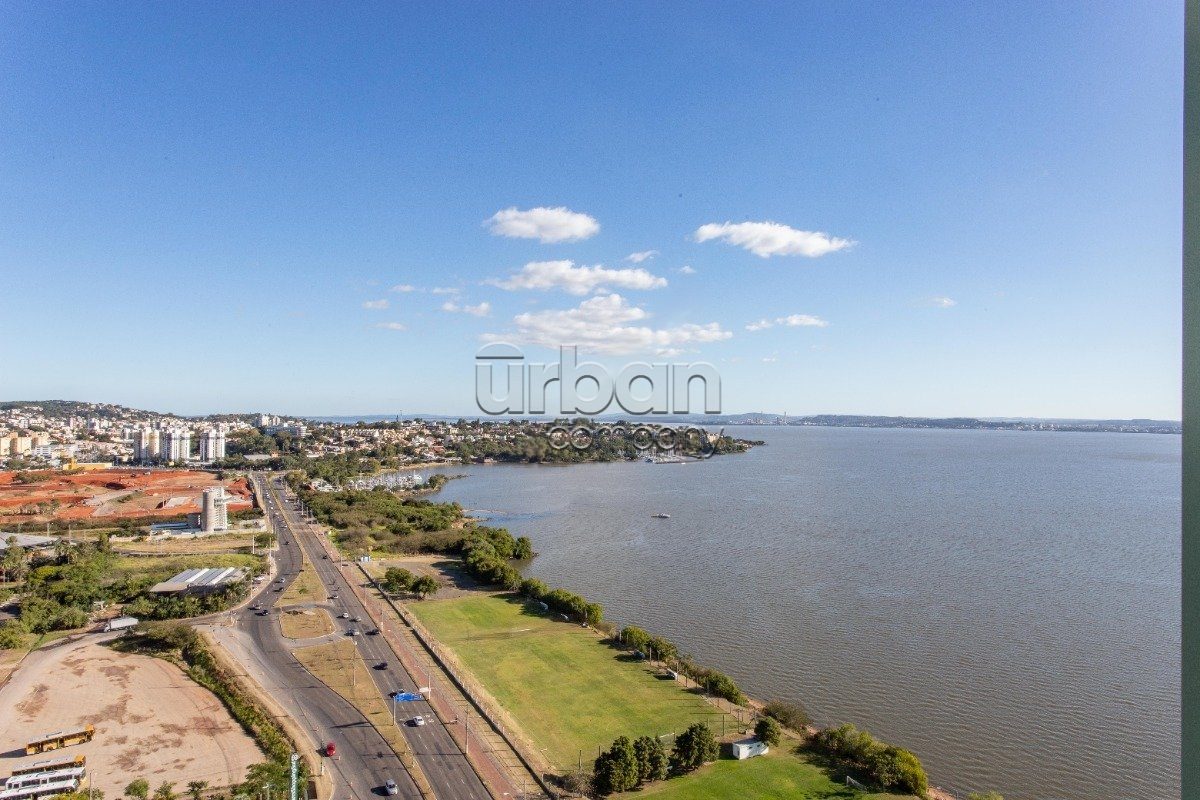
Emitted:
<point x="569" y="692"/>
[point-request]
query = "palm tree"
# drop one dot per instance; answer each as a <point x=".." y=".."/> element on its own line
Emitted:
<point x="195" y="788"/>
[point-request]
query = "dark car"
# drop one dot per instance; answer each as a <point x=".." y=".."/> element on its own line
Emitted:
<point x="381" y="665"/>
<point x="373" y="632"/>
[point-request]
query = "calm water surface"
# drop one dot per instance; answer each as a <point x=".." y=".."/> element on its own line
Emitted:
<point x="1005" y="604"/>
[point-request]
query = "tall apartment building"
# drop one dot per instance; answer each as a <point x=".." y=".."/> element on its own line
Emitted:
<point x="147" y="444"/>
<point x="5" y="445"/>
<point x="212" y="444"/>
<point x="176" y="445"/>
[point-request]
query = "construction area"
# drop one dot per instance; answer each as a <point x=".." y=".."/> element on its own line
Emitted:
<point x="113" y="494"/>
<point x="129" y="716"/>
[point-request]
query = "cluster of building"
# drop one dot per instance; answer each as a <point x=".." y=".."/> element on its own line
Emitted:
<point x="35" y="444"/>
<point x="173" y="445"/>
<point x="57" y="434"/>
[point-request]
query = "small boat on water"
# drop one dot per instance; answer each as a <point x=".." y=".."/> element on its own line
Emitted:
<point x="661" y="516"/>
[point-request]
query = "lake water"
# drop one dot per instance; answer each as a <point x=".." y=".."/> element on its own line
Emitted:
<point x="1005" y="604"/>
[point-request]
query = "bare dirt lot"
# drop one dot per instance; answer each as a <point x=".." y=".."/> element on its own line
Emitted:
<point x="112" y="494"/>
<point x="151" y="721"/>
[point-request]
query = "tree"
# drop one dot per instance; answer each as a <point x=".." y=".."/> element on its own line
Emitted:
<point x="13" y="635"/>
<point x="768" y="730"/>
<point x="165" y="791"/>
<point x="652" y="759"/>
<point x="524" y="549"/>
<point x="39" y="614"/>
<point x="397" y="579"/>
<point x="693" y="748"/>
<point x="635" y="638"/>
<point x="196" y="788"/>
<point x="616" y="770"/>
<point x="425" y="586"/>
<point x="790" y="715"/>
<point x="14" y="564"/>
<point x="138" y="789"/>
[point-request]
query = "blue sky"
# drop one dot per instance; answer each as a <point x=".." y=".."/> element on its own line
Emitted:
<point x="197" y="200"/>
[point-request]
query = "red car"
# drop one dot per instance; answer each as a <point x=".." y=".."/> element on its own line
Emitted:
<point x="330" y="748"/>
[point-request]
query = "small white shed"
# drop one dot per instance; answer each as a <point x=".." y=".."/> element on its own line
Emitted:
<point x="748" y="748"/>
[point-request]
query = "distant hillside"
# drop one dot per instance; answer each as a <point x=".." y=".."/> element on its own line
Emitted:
<point x="63" y="409"/>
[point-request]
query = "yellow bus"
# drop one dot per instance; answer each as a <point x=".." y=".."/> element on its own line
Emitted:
<point x="53" y="741"/>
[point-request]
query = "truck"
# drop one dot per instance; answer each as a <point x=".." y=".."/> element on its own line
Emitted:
<point x="120" y="623"/>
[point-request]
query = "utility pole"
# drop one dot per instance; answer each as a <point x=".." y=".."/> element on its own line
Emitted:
<point x="294" y="775"/>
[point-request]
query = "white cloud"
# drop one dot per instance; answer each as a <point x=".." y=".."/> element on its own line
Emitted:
<point x="376" y="305"/>
<point x="802" y="321"/>
<point x="481" y="310"/>
<point x="790" y="321"/>
<point x="444" y="290"/>
<point x="565" y="275"/>
<point x="644" y="255"/>
<point x="766" y="239"/>
<point x="942" y="302"/>
<point x="686" y="270"/>
<point x="544" y="224"/>
<point x="604" y="324"/>
<point x="392" y="326"/>
<point x="769" y="359"/>
<point x="404" y="288"/>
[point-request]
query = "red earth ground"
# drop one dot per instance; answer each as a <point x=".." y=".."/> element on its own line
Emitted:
<point x="112" y="494"/>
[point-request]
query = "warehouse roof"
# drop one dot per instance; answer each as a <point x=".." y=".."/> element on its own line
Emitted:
<point x="200" y="580"/>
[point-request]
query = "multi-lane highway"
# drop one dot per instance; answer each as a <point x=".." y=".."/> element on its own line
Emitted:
<point x="363" y="762"/>
<point x="439" y="757"/>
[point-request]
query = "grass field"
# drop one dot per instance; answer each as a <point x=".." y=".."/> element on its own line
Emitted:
<point x="776" y="776"/>
<point x="164" y="567"/>
<point x="305" y="623"/>
<point x="307" y="588"/>
<point x="203" y="544"/>
<point x="569" y="692"/>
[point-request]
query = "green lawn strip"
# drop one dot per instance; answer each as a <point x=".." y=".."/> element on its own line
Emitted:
<point x="568" y="691"/>
<point x="776" y="776"/>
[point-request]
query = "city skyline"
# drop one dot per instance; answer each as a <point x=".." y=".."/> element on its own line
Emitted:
<point x="345" y="206"/>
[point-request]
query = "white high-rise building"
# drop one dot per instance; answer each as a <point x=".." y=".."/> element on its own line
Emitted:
<point x="212" y="444"/>
<point x="214" y="510"/>
<point x="176" y="445"/>
<point x="146" y="444"/>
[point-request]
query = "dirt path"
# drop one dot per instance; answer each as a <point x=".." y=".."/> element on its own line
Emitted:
<point x="151" y="721"/>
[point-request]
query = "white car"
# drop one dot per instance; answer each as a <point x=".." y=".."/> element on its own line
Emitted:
<point x="417" y="721"/>
<point x="390" y="787"/>
<point x="345" y="615"/>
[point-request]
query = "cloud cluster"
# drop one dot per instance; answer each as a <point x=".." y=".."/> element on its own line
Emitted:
<point x="375" y="305"/>
<point x="604" y="324"/>
<point x="766" y="239"/>
<point x="644" y="255"/>
<point x="942" y="302"/>
<point x="544" y="224"/>
<point x="481" y="310"/>
<point x="392" y="326"/>
<point x="564" y="275"/>
<point x="790" y="321"/>
<point x="404" y="288"/>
